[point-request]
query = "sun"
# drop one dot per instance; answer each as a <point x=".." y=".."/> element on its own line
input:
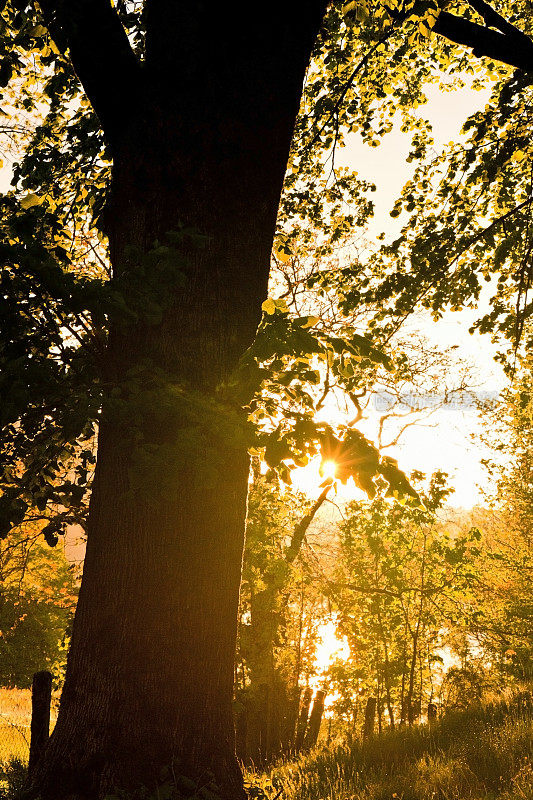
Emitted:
<point x="328" y="469"/>
<point x="310" y="480"/>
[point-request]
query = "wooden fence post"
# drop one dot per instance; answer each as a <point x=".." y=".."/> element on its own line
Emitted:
<point x="315" y="720"/>
<point x="370" y="716"/>
<point x="41" y="696"/>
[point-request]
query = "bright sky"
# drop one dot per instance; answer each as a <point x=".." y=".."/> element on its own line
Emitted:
<point x="452" y="443"/>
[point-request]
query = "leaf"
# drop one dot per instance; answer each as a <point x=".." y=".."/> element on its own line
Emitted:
<point x="349" y="7"/>
<point x="269" y="306"/>
<point x="37" y="30"/>
<point x="6" y="72"/>
<point x="276" y="450"/>
<point x="307" y="322"/>
<point x="31" y="200"/>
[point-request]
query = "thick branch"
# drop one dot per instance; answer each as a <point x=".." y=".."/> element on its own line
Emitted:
<point x="495" y="20"/>
<point x="98" y="47"/>
<point x="302" y="527"/>
<point x="515" y="50"/>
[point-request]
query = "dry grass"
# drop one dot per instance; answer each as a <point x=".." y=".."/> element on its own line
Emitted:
<point x="15" y="719"/>
<point x="481" y="755"/>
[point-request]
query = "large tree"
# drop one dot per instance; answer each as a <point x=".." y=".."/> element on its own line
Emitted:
<point x="196" y="105"/>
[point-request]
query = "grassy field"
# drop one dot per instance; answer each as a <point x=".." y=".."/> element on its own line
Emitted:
<point x="484" y="754"/>
<point x="478" y="755"/>
<point x="15" y="716"/>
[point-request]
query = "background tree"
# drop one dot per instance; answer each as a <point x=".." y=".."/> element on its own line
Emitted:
<point x="277" y="631"/>
<point x="402" y="581"/>
<point x="503" y="625"/>
<point x="37" y="601"/>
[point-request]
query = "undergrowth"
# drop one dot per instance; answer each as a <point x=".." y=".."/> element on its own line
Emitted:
<point x="481" y="754"/>
<point x="474" y="755"/>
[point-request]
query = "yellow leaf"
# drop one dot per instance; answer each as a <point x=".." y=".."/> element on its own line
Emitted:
<point x="269" y="306"/>
<point x="31" y="200"/>
<point x="37" y="30"/>
<point x="282" y="254"/>
<point x="362" y="13"/>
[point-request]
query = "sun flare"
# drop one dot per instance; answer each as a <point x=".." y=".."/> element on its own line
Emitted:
<point x="328" y="469"/>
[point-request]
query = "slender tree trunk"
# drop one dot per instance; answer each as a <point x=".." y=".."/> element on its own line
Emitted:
<point x="403" y="705"/>
<point x="266" y="621"/>
<point x="370" y="717"/>
<point x="150" y="670"/>
<point x="303" y="719"/>
<point x="315" y="720"/>
<point x="415" y="637"/>
<point x="386" y="671"/>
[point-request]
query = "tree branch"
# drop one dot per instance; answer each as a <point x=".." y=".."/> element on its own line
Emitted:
<point x="302" y="527"/>
<point x="515" y="49"/>
<point x="91" y="34"/>
<point x="495" y="20"/>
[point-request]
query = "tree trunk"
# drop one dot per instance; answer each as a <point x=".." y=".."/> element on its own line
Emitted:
<point x="150" y="670"/>
<point x="303" y="719"/>
<point x="415" y="638"/>
<point x="386" y="671"/>
<point x="370" y="717"/>
<point x="315" y="720"/>
<point x="266" y="623"/>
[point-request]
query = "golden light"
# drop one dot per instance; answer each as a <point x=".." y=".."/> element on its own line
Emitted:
<point x="331" y="646"/>
<point x="308" y="479"/>
<point x="328" y="469"/>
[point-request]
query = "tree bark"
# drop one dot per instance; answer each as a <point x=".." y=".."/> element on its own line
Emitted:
<point x="41" y="696"/>
<point x="150" y="669"/>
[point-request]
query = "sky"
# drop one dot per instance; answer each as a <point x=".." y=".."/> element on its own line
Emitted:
<point x="452" y="441"/>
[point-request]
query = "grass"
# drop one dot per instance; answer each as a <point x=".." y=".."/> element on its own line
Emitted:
<point x="482" y="754"/>
<point x="15" y="717"/>
<point x="475" y="755"/>
<point x="14" y="742"/>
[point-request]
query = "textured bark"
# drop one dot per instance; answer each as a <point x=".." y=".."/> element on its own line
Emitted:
<point x="150" y="669"/>
<point x="41" y="696"/>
